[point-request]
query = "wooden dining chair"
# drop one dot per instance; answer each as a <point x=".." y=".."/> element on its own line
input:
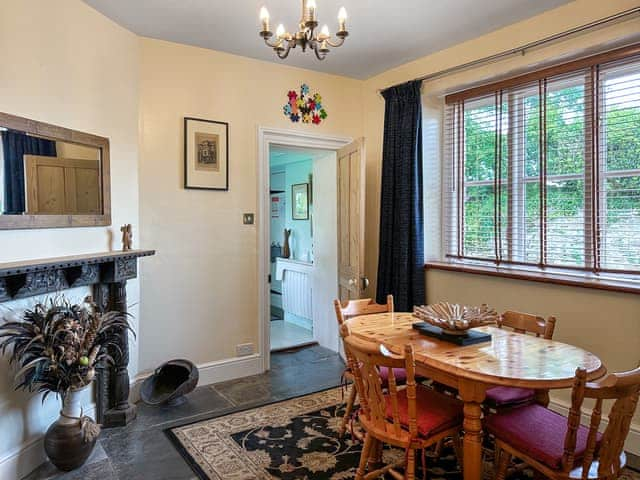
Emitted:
<point x="354" y="308"/>
<point x="561" y="448"/>
<point x="412" y="418"/>
<point x="525" y="323"/>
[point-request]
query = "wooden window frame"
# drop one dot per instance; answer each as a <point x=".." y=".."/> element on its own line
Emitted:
<point x="593" y="176"/>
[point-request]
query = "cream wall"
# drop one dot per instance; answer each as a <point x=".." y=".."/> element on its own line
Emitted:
<point x="64" y="63"/>
<point x="603" y="322"/>
<point x="200" y="297"/>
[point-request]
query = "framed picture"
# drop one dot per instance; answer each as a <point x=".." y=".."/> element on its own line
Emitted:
<point x="300" y="201"/>
<point x="206" y="154"/>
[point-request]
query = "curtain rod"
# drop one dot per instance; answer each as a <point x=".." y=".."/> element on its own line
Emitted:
<point x="528" y="46"/>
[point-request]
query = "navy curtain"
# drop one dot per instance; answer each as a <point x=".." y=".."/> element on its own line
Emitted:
<point x="401" y="252"/>
<point x="15" y="146"/>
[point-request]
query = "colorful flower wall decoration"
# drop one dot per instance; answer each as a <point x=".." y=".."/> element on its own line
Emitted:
<point x="305" y="107"/>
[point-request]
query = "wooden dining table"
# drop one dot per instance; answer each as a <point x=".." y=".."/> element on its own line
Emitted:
<point x="508" y="359"/>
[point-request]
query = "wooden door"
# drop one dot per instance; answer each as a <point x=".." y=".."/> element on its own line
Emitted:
<point x="351" y="198"/>
<point x="62" y="186"/>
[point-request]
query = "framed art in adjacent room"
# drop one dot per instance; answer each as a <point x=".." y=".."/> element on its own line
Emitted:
<point x="206" y="154"/>
<point x="300" y="201"/>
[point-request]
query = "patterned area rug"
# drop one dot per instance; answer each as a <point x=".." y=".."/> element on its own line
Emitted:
<point x="294" y="439"/>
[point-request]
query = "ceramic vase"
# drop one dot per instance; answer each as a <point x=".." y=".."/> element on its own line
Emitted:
<point x="286" y="249"/>
<point x="70" y="440"/>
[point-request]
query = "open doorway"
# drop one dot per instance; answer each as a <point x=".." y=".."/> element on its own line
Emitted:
<point x="303" y="241"/>
<point x="328" y="248"/>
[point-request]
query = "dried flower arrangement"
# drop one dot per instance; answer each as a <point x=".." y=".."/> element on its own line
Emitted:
<point x="57" y="345"/>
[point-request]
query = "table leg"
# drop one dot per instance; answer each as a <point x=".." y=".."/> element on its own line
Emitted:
<point x="472" y="395"/>
<point x="542" y="397"/>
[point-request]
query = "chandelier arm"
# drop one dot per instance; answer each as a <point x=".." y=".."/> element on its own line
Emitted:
<point x="285" y="54"/>
<point x="319" y="56"/>
<point x="335" y="45"/>
<point x="273" y="45"/>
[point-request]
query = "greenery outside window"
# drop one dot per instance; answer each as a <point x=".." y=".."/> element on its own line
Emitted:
<point x="543" y="171"/>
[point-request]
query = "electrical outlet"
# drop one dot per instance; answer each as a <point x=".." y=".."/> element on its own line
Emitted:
<point x="244" y="349"/>
<point x="248" y="218"/>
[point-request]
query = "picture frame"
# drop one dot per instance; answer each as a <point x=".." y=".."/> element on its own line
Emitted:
<point x="206" y="154"/>
<point x="300" y="201"/>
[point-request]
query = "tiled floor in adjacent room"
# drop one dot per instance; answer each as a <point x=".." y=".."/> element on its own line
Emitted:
<point x="141" y="450"/>
<point x="285" y="334"/>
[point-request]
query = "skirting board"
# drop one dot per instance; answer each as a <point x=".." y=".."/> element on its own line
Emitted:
<point x="30" y="455"/>
<point x="632" y="445"/>
<point x="212" y="372"/>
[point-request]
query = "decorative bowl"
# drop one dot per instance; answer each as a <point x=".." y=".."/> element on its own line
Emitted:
<point x="455" y="319"/>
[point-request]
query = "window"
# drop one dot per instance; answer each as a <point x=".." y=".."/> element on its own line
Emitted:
<point x="544" y="170"/>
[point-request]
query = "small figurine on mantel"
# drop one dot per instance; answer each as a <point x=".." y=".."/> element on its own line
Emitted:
<point x="127" y="237"/>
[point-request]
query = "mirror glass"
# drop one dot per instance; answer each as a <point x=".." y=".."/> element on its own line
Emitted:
<point x="44" y="176"/>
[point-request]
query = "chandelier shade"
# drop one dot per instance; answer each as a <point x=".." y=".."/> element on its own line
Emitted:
<point x="307" y="36"/>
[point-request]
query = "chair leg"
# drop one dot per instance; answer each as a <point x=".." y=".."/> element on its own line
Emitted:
<point x="349" y="408"/>
<point x="503" y="464"/>
<point x="496" y="460"/>
<point x="437" y="451"/>
<point x="375" y="453"/>
<point x="364" y="457"/>
<point x="457" y="447"/>
<point x="410" y="469"/>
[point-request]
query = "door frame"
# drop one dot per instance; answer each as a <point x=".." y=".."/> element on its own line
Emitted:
<point x="266" y="137"/>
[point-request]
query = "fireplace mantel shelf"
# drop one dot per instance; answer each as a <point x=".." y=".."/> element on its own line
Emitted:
<point x="8" y="269"/>
<point x="50" y="275"/>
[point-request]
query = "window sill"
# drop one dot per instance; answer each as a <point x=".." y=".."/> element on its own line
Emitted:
<point x="558" y="278"/>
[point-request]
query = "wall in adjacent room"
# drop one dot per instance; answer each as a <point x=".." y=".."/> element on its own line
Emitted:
<point x="66" y="64"/>
<point x="202" y="292"/>
<point x="605" y="323"/>
<point x="300" y="241"/>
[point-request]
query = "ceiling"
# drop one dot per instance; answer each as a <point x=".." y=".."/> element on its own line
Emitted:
<point x="383" y="33"/>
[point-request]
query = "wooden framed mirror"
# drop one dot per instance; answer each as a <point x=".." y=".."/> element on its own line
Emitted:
<point x="51" y="176"/>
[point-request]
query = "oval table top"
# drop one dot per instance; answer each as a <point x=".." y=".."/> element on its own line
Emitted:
<point x="509" y="359"/>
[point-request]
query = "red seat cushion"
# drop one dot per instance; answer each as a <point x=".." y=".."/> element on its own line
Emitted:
<point x="537" y="431"/>
<point x="436" y="412"/>
<point x="400" y="375"/>
<point x="505" y="396"/>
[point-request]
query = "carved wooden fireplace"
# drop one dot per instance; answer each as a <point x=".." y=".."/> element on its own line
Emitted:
<point x="107" y="273"/>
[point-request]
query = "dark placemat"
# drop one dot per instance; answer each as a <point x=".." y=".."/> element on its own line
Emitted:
<point x="471" y="338"/>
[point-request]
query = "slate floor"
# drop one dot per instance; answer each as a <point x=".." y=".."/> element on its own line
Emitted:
<point x="142" y="451"/>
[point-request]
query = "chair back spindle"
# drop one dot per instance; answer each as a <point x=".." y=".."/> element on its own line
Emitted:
<point x="603" y="459"/>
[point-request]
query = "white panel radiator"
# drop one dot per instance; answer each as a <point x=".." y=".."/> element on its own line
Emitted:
<point x="296" y="287"/>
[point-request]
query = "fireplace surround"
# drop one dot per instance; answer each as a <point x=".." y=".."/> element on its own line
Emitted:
<point x="107" y="273"/>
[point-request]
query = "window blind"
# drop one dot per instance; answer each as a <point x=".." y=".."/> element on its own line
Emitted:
<point x="544" y="170"/>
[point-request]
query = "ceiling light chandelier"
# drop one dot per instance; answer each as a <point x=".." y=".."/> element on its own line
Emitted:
<point x="306" y="36"/>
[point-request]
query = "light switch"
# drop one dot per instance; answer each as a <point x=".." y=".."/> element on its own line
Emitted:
<point x="248" y="218"/>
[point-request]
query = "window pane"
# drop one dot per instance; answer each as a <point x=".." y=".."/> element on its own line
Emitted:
<point x="565" y="222"/>
<point x="532" y="223"/>
<point x="621" y="118"/>
<point x="532" y="135"/>
<point x="480" y="124"/>
<point x="479" y="221"/>
<point x="565" y="185"/>
<point x="480" y="139"/>
<point x="621" y="236"/>
<point x="620" y="152"/>
<point x="565" y="119"/>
